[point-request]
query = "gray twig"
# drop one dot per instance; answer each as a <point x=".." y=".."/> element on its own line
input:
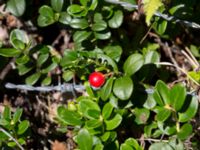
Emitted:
<point x="127" y="5"/>
<point x="11" y="137"/>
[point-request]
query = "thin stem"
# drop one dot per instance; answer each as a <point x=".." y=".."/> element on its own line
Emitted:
<point x="190" y="59"/>
<point x="192" y="56"/>
<point x="182" y="70"/>
<point x="11" y="137"/>
<point x="153" y="140"/>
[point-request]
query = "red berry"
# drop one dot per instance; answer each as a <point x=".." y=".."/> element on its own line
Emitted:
<point x="96" y="79"/>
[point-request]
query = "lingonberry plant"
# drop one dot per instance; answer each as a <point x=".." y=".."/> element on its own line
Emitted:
<point x="127" y="103"/>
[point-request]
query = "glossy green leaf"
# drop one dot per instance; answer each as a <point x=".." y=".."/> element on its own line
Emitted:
<point x="42" y="59"/>
<point x="163" y="114"/>
<point x="51" y="67"/>
<point x="68" y="117"/>
<point x="107" y="110"/>
<point x="133" y="143"/>
<point x="177" y="96"/>
<point x="177" y="144"/>
<point x="93" y="5"/>
<point x="23" y="69"/>
<point x="6" y="113"/>
<point x="11" y="144"/>
<point x="185" y="131"/>
<point x="133" y="63"/>
<point x="98" y="147"/>
<point x="89" y="108"/>
<point x="18" y="39"/>
<point x="114" y="122"/>
<point x="113" y="52"/>
<point x="123" y="87"/>
<point x="46" y="81"/>
<point x="98" y="17"/>
<point x="68" y="75"/>
<point x="69" y="58"/>
<point x="99" y="26"/>
<point x="103" y="35"/>
<point x="4" y="122"/>
<point x="84" y="2"/>
<point x="94" y="123"/>
<point x="116" y="20"/>
<point x="84" y="140"/>
<point x="75" y="10"/>
<point x="175" y="8"/>
<point x="141" y="115"/>
<point x="148" y="129"/>
<point x="9" y="52"/>
<point x="151" y="57"/>
<point x="17" y="115"/>
<point x="106" y="89"/>
<point x="161" y="26"/>
<point x="150" y="102"/>
<point x="89" y="89"/>
<point x="57" y="5"/>
<point x="16" y="7"/>
<point x="80" y="36"/>
<point x="22" y="127"/>
<point x="162" y="93"/>
<point x="191" y="110"/>
<point x="160" y="146"/>
<point x="22" y="59"/>
<point x="105" y="136"/>
<point x="3" y="137"/>
<point x="65" y="18"/>
<point x="107" y="59"/>
<point x="150" y="7"/>
<point x="46" y="16"/>
<point x="79" y="23"/>
<point x="33" y="78"/>
<point x="125" y="146"/>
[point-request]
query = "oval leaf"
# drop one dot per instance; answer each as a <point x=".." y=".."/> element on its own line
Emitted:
<point x="68" y="117"/>
<point x="123" y="87"/>
<point x="114" y="122"/>
<point x="84" y="140"/>
<point x="57" y="5"/>
<point x="9" y="52"/>
<point x="89" y="108"/>
<point x="191" y="110"/>
<point x="17" y="115"/>
<point x="22" y="127"/>
<point x="116" y="20"/>
<point x="80" y="36"/>
<point x="163" y="114"/>
<point x="133" y="64"/>
<point x="33" y="78"/>
<point x="107" y="89"/>
<point x="185" y="131"/>
<point x="18" y="39"/>
<point x="107" y="110"/>
<point x="162" y="93"/>
<point x="177" y="96"/>
<point x="16" y="7"/>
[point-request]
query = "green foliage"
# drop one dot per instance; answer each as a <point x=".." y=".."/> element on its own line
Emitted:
<point x="150" y="7"/>
<point x="16" y="7"/>
<point x="105" y="39"/>
<point x="11" y="126"/>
